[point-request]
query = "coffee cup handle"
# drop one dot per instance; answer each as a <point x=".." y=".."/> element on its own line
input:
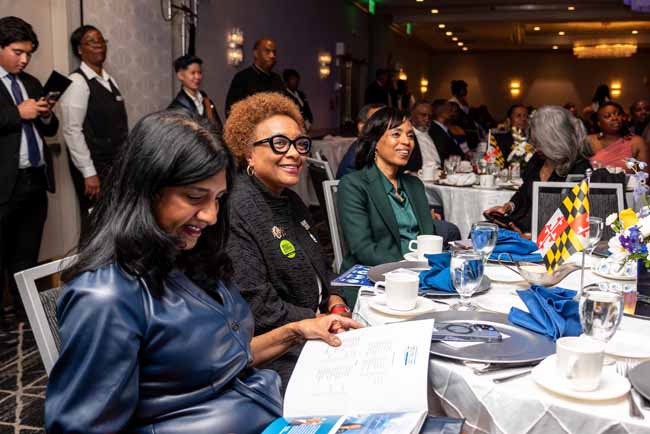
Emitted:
<point x="571" y="367"/>
<point x="377" y="290"/>
<point x="411" y="243"/>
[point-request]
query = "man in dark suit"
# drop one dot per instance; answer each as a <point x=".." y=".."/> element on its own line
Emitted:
<point x="379" y="90"/>
<point x="439" y="130"/>
<point x="189" y="72"/>
<point x="258" y="77"/>
<point x="291" y="84"/>
<point x="25" y="161"/>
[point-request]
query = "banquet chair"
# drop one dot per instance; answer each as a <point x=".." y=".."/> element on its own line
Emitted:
<point x="319" y="172"/>
<point x="604" y="199"/>
<point x="338" y="242"/>
<point x="40" y="308"/>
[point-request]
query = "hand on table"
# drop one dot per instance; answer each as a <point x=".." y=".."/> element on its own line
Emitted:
<point x="325" y="328"/>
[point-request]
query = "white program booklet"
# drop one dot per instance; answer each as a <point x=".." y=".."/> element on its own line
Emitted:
<point x="378" y="375"/>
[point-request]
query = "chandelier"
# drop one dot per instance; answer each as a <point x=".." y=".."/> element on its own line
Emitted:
<point x="604" y="50"/>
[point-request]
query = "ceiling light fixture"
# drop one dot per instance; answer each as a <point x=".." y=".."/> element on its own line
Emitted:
<point x="441" y="26"/>
<point x="434" y="11"/>
<point x="635" y="32"/>
<point x="465" y="48"/>
<point x="449" y="33"/>
<point x="537" y="28"/>
<point x="561" y="33"/>
<point x="460" y="44"/>
<point x="419" y="1"/>
<point x="555" y="47"/>
<point x="602" y="50"/>
<point x="571" y="8"/>
<point x="454" y="38"/>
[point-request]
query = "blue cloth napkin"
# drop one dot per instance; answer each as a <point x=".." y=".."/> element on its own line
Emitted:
<point x="553" y="312"/>
<point x="438" y="276"/>
<point x="520" y="248"/>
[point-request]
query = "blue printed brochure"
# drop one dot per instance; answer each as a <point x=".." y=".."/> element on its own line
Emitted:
<point x="355" y="276"/>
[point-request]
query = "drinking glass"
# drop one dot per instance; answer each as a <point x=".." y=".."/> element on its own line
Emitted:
<point x="484" y="238"/>
<point x="466" y="274"/>
<point x="601" y="310"/>
<point x="450" y="166"/>
<point x="596" y="226"/>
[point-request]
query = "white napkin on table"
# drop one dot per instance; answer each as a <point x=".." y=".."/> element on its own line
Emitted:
<point x="460" y="179"/>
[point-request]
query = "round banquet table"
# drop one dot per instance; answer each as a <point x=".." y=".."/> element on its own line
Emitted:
<point x="518" y="406"/>
<point x="333" y="149"/>
<point x="464" y="206"/>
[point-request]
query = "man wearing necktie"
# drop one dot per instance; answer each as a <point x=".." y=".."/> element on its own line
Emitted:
<point x="25" y="161"/>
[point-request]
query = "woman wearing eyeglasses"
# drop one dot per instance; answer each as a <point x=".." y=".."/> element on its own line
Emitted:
<point x="277" y="260"/>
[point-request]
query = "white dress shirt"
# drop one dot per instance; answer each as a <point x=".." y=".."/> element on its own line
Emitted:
<point x="430" y="155"/>
<point x="23" y="158"/>
<point x="197" y="100"/>
<point x="74" y="105"/>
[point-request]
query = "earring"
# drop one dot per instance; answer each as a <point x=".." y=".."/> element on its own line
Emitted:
<point x="601" y="135"/>
<point x="250" y="170"/>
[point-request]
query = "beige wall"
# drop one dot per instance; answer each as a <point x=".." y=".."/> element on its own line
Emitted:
<point x="547" y="77"/>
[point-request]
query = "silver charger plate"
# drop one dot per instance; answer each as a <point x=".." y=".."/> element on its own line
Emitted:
<point x="639" y="377"/>
<point x="376" y="274"/>
<point x="523" y="346"/>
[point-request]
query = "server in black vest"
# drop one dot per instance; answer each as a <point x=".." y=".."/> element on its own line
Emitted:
<point x="189" y="72"/>
<point x="25" y="161"/>
<point x="94" y="118"/>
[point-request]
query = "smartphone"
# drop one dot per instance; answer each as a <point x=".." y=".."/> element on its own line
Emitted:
<point x="52" y="96"/>
<point x="465" y="332"/>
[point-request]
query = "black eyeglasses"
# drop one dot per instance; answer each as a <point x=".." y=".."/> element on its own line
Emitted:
<point x="280" y="144"/>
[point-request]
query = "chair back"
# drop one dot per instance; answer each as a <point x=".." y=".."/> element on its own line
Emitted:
<point x="338" y="242"/>
<point x="319" y="172"/>
<point x="40" y="308"/>
<point x="604" y="199"/>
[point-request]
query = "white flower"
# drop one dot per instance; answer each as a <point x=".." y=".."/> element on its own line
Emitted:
<point x="644" y="226"/>
<point x="619" y="254"/>
<point x="611" y="219"/>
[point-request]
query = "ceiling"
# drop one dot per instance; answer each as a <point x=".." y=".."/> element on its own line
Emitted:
<point x="489" y="25"/>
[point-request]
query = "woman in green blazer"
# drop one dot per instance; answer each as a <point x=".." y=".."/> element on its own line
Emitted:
<point x="381" y="208"/>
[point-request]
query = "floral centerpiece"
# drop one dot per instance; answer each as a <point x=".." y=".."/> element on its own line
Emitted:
<point x="522" y="151"/>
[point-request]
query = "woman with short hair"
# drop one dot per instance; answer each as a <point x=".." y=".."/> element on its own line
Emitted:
<point x="154" y="335"/>
<point x="561" y="147"/>
<point x="277" y="258"/>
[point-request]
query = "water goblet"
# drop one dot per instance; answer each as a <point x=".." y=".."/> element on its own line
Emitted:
<point x="466" y="274"/>
<point x="601" y="310"/>
<point x="596" y="226"/>
<point x="484" y="238"/>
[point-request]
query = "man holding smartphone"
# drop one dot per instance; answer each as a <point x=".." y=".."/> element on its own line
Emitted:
<point x="25" y="161"/>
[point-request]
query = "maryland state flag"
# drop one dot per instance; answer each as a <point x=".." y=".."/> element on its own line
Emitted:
<point x="494" y="151"/>
<point x="567" y="231"/>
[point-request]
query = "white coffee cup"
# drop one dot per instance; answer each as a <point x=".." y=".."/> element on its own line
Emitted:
<point x="401" y="290"/>
<point x="426" y="244"/>
<point x="486" y="180"/>
<point x="428" y="173"/>
<point x="580" y="362"/>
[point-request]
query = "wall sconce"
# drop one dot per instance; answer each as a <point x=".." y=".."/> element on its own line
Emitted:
<point x="515" y="88"/>
<point x="235" y="53"/>
<point x="324" y="60"/>
<point x="402" y="75"/>
<point x="424" y="85"/>
<point x="616" y="89"/>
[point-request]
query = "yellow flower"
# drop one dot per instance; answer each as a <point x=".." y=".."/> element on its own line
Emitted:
<point x="628" y="217"/>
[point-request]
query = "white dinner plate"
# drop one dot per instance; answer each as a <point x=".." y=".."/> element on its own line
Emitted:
<point x="422" y="306"/>
<point x="502" y="274"/>
<point x="500" y="304"/>
<point x="611" y="385"/>
<point x="484" y="187"/>
<point x="629" y="345"/>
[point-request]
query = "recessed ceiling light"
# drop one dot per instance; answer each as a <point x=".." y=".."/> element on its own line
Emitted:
<point x="455" y="38"/>
<point x="460" y="44"/>
<point x="449" y="33"/>
<point x="465" y="48"/>
<point x="635" y="32"/>
<point x="441" y="26"/>
<point x="537" y="28"/>
<point x="571" y="8"/>
<point x="419" y="1"/>
<point x="434" y="11"/>
<point x="561" y="33"/>
<point x="555" y="47"/>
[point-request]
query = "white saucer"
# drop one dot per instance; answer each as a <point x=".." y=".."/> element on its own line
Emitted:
<point x="413" y="257"/>
<point x="628" y="345"/>
<point x="423" y="305"/>
<point x="602" y="268"/>
<point x="611" y="386"/>
<point x="484" y="187"/>
<point x="613" y="276"/>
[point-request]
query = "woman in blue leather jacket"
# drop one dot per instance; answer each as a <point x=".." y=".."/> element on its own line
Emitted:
<point x="154" y="338"/>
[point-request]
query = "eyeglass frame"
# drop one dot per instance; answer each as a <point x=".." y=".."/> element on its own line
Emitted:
<point x="269" y="140"/>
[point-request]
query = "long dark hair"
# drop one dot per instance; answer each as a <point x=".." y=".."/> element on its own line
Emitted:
<point x="381" y="121"/>
<point x="164" y="149"/>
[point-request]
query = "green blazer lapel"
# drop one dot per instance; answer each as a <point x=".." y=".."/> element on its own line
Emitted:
<point x="380" y="199"/>
<point x="421" y="209"/>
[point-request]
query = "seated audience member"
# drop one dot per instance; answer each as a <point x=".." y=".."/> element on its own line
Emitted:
<point x="381" y="208"/>
<point x="640" y="113"/>
<point x="154" y="335"/>
<point x="561" y="146"/>
<point x="513" y="132"/>
<point x="379" y="91"/>
<point x="421" y="118"/>
<point x="439" y="131"/>
<point x="291" y="84"/>
<point x="611" y="144"/>
<point x="189" y="72"/>
<point x="277" y="260"/>
<point x="349" y="163"/>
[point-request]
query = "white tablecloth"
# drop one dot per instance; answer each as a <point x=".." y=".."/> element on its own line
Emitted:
<point x="464" y="206"/>
<point x="333" y="149"/>
<point x="519" y="406"/>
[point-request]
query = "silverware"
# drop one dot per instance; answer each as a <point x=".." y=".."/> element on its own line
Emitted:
<point x="489" y="368"/>
<point x="511" y="377"/>
<point x="623" y="368"/>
